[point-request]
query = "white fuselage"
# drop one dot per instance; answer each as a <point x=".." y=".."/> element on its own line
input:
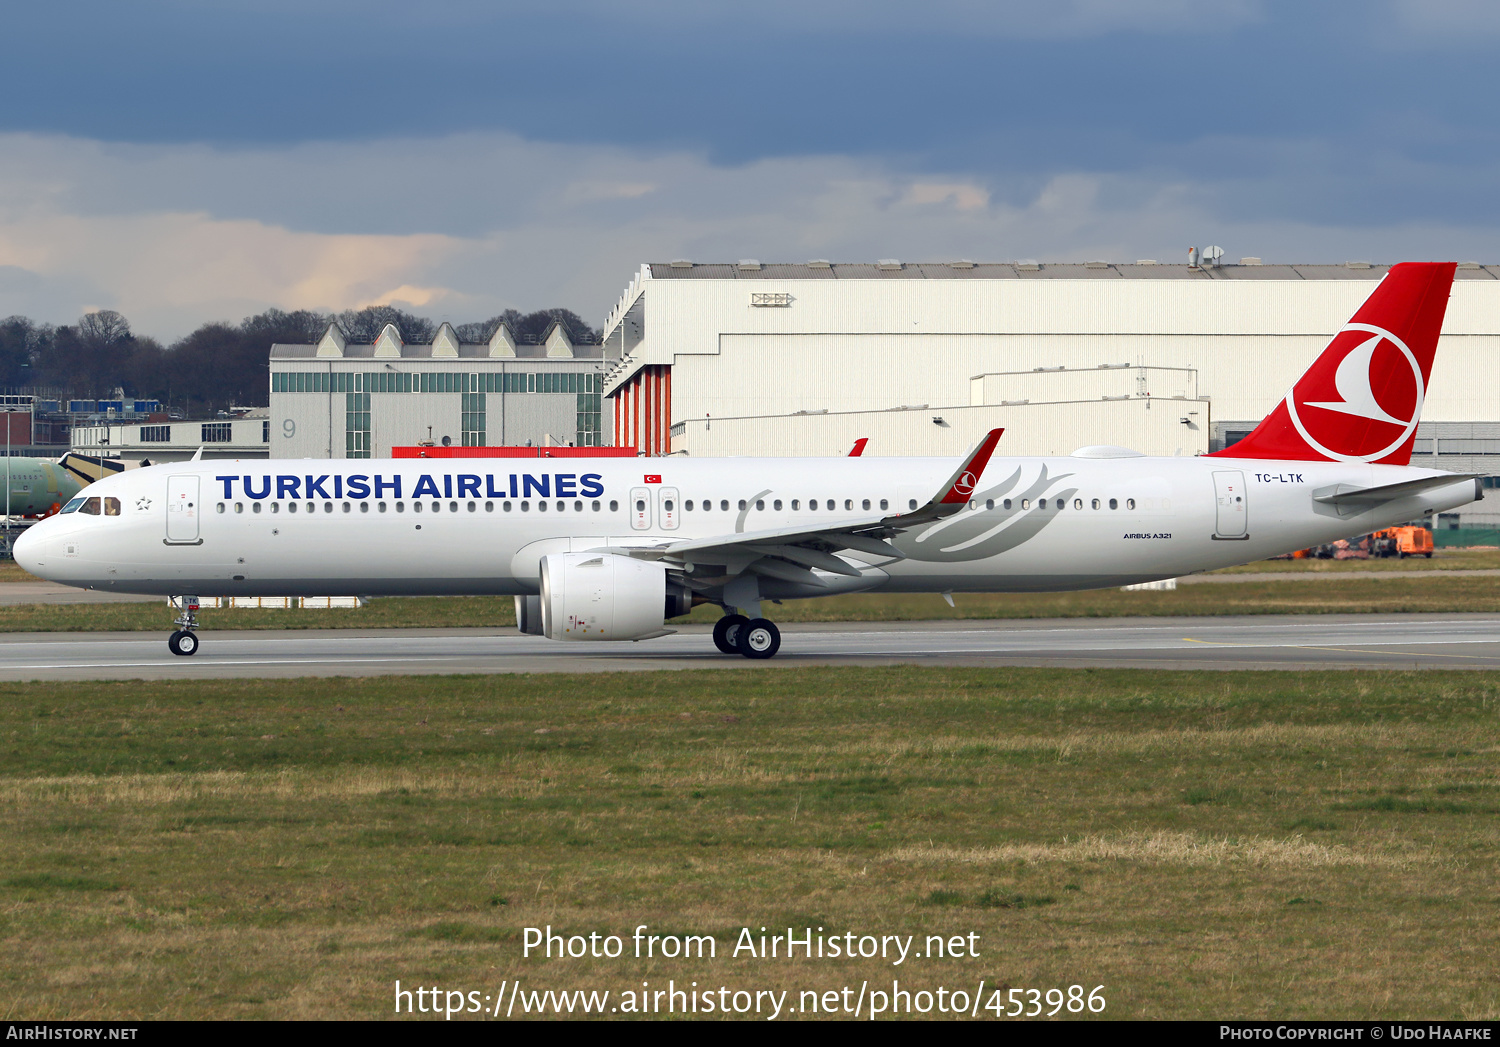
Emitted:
<point x="480" y="526"/>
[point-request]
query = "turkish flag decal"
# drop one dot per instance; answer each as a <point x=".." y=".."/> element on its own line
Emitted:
<point x="653" y="478"/>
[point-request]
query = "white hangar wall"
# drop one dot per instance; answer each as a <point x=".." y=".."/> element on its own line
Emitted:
<point x="1030" y="429"/>
<point x="705" y="342"/>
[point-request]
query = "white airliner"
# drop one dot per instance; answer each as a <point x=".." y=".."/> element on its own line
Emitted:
<point x="612" y="548"/>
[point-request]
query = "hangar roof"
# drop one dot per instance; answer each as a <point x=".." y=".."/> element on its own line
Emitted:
<point x="893" y="270"/>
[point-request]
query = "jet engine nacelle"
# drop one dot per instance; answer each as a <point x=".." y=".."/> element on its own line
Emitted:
<point x="600" y="596"/>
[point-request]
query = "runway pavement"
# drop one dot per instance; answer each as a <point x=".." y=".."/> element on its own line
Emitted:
<point x="1251" y="642"/>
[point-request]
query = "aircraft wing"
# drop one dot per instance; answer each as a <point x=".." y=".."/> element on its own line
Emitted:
<point x="791" y="553"/>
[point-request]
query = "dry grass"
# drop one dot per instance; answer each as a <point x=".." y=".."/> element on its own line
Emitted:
<point x="1203" y="845"/>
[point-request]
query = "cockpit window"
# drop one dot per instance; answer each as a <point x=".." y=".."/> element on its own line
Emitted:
<point x="111" y="507"/>
<point x="90" y="506"/>
<point x="72" y="507"/>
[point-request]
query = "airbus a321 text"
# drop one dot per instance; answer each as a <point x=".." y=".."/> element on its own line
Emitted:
<point x="612" y="549"/>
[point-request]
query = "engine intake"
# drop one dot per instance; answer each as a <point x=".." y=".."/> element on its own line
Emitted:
<point x="600" y="596"/>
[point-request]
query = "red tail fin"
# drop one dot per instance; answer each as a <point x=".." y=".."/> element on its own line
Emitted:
<point x="1361" y="400"/>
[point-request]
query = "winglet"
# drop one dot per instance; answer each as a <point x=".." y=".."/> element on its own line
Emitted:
<point x="859" y="447"/>
<point x="961" y="484"/>
<point x="956" y="492"/>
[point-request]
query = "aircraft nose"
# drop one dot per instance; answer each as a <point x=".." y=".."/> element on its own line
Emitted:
<point x="27" y="551"/>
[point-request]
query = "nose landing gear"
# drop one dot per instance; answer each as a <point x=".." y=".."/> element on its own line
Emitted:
<point x="184" y="641"/>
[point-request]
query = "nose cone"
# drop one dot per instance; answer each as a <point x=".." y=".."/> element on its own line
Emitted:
<point x="27" y="551"/>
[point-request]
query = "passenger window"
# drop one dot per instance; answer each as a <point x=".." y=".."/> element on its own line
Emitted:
<point x="1096" y="503"/>
<point x="911" y="503"/>
<point x="1006" y="503"/>
<point x="595" y="506"/>
<point x="541" y="507"/>
<point x="830" y="505"/>
<point x="1130" y="503"/>
<point x="1114" y="504"/>
<point x="865" y="504"/>
<point x="688" y="505"/>
<point x="73" y="506"/>
<point x="364" y="507"/>
<point x="437" y="507"/>
<point x="1025" y="503"/>
<point x="1041" y="503"/>
<point x="796" y="503"/>
<point x="275" y="507"/>
<point x="220" y="507"/>
<point x="348" y="508"/>
<point x="380" y="506"/>
<point x="525" y="507"/>
<point x="578" y="507"/>
<point x="989" y="503"/>
<point x="453" y="507"/>
<point x="777" y="505"/>
<point x="255" y="507"/>
<point x="884" y="504"/>
<point x="400" y="507"/>
<point x="473" y="507"/>
<point x="291" y="507"/>
<point x="1077" y="503"/>
<point x="416" y="507"/>
<point x="760" y="505"/>
<point x="812" y="505"/>
<point x="723" y="505"/>
<point x="328" y="507"/>
<point x="114" y="510"/>
<point x="505" y="506"/>
<point x="743" y="505"/>
<point x="614" y="506"/>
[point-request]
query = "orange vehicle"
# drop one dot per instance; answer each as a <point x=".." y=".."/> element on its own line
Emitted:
<point x="1402" y="542"/>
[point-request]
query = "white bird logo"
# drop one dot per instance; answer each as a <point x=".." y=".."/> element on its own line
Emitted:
<point x="1352" y="380"/>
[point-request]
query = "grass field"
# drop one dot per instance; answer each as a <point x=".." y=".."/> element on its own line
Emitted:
<point x="1200" y="844"/>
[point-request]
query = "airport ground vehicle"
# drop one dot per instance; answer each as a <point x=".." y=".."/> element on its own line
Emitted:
<point x="1411" y="540"/>
<point x="612" y="548"/>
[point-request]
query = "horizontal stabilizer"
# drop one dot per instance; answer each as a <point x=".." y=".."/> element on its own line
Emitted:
<point x="1364" y="496"/>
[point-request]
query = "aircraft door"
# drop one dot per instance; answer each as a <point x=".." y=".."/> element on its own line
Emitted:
<point x="182" y="510"/>
<point x="640" y="509"/>
<point x="670" y="507"/>
<point x="1230" y="523"/>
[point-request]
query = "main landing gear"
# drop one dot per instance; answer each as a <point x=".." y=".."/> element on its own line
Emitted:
<point x="751" y="637"/>
<point x="184" y="641"/>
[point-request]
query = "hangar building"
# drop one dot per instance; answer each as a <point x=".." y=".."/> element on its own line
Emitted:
<point x="799" y="359"/>
<point x="802" y="359"/>
<point x="336" y="399"/>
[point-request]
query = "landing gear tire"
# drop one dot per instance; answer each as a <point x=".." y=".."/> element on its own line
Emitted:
<point x="758" y="638"/>
<point x="183" y="643"/>
<point x="726" y="630"/>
